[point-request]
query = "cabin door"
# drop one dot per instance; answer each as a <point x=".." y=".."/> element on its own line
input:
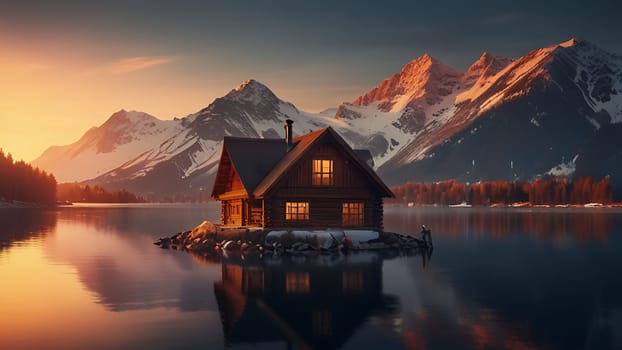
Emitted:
<point x="233" y="213"/>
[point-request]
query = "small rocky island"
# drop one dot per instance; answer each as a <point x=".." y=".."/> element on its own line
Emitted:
<point x="209" y="239"/>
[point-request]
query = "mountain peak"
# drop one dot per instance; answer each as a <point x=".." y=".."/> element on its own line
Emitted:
<point x="250" y="84"/>
<point x="486" y="65"/>
<point x="421" y="64"/>
<point x="485" y="57"/>
<point x="426" y="57"/>
<point x="123" y="119"/>
<point x="251" y="91"/>
<point x="422" y="81"/>
<point x="574" y="42"/>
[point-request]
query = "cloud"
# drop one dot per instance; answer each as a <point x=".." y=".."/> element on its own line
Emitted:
<point x="132" y="64"/>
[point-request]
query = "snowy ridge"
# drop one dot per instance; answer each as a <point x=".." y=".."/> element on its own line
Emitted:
<point x="423" y="97"/>
<point x="401" y="121"/>
<point x="124" y="135"/>
<point x="599" y="74"/>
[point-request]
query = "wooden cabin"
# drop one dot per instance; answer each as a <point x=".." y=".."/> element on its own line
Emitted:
<point x="314" y="180"/>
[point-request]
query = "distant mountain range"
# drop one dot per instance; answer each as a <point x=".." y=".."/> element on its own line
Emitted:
<point x="556" y="110"/>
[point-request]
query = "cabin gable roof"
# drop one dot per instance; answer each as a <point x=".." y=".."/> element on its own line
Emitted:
<point x="251" y="158"/>
<point x="303" y="144"/>
<point x="261" y="163"/>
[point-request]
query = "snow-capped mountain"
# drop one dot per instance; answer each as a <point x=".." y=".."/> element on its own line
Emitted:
<point x="530" y="118"/>
<point x="122" y="138"/>
<point x="410" y="107"/>
<point x="157" y="158"/>
<point x="501" y="119"/>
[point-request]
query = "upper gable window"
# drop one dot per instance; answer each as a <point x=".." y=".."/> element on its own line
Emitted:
<point x="322" y="173"/>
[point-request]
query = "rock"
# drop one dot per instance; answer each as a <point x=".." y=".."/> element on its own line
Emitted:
<point x="360" y="236"/>
<point x="250" y="250"/>
<point x="277" y="247"/>
<point x="347" y="242"/>
<point x="301" y="246"/>
<point x="203" y="230"/>
<point x="324" y="240"/>
<point x="163" y="243"/>
<point x="274" y="236"/>
<point x="231" y="246"/>
<point x="336" y="234"/>
<point x="300" y="243"/>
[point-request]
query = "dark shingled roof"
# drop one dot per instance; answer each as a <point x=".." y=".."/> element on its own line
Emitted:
<point x="260" y="163"/>
<point x="304" y="143"/>
<point x="253" y="158"/>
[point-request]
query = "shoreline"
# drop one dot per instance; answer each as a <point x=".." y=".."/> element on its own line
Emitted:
<point x="520" y="205"/>
<point x="212" y="239"/>
<point x="24" y="205"/>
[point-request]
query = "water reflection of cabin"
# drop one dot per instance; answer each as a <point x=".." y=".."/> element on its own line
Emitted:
<point x="317" y="305"/>
<point x="314" y="180"/>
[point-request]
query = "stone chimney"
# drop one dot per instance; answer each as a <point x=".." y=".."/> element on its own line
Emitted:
<point x="288" y="133"/>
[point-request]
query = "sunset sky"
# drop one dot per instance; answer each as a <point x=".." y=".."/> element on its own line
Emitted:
<point x="66" y="66"/>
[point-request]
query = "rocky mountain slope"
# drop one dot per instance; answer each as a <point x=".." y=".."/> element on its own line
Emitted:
<point x="532" y="117"/>
<point x="501" y="119"/>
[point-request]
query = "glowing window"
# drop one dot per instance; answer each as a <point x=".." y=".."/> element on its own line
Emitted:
<point x="296" y="210"/>
<point x="352" y="213"/>
<point x="254" y="280"/>
<point x="322" y="323"/>
<point x="351" y="282"/>
<point x="297" y="282"/>
<point x="322" y="173"/>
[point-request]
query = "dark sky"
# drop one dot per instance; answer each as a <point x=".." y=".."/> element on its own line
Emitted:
<point x="354" y="42"/>
<point x="455" y="31"/>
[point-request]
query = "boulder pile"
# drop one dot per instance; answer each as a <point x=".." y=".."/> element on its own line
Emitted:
<point x="209" y="238"/>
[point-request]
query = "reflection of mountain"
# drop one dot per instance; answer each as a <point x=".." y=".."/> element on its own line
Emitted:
<point x="317" y="303"/>
<point x="115" y="259"/>
<point x="24" y="224"/>
<point x="514" y="295"/>
<point x="500" y="279"/>
<point x="547" y="224"/>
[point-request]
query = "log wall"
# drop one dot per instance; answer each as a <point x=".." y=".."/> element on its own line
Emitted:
<point x="325" y="201"/>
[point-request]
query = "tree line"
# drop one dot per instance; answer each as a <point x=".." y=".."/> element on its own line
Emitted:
<point x="74" y="192"/>
<point x="545" y="191"/>
<point x="19" y="181"/>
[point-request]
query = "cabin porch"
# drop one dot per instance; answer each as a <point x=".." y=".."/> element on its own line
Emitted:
<point x="241" y="212"/>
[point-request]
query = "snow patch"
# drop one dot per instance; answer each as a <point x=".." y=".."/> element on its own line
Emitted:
<point x="566" y="169"/>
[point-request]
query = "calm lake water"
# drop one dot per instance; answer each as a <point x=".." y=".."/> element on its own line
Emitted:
<point x="89" y="277"/>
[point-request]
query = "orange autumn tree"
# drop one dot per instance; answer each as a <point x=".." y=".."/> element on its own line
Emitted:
<point x="544" y="191"/>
